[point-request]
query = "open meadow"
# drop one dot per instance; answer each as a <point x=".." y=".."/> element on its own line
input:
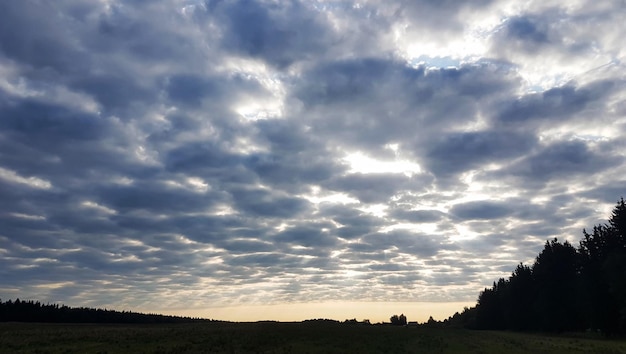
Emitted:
<point x="274" y="337"/>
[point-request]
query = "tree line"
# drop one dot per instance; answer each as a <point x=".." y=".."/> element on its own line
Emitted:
<point x="34" y="311"/>
<point x="566" y="289"/>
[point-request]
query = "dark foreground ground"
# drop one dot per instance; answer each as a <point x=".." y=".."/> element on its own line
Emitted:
<point x="270" y="337"/>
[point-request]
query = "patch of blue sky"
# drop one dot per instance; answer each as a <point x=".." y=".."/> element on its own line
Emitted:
<point x="437" y="62"/>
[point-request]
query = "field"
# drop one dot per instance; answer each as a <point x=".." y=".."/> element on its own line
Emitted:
<point x="272" y="337"/>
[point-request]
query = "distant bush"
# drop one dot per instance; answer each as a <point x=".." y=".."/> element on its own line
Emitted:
<point x="398" y="320"/>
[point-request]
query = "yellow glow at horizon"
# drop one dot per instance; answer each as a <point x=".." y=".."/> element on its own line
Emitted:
<point x="373" y="311"/>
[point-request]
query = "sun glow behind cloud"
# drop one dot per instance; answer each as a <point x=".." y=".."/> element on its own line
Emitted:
<point x="360" y="163"/>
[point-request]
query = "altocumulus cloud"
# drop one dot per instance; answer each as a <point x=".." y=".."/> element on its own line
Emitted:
<point x="188" y="154"/>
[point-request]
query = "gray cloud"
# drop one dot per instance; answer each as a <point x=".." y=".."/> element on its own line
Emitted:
<point x="526" y="33"/>
<point x="278" y="33"/>
<point x="554" y="106"/>
<point x="148" y="148"/>
<point x="376" y="188"/>
<point x="562" y="161"/>
<point x="465" y="151"/>
<point x="481" y="210"/>
<point x="418" y="216"/>
<point x="264" y="203"/>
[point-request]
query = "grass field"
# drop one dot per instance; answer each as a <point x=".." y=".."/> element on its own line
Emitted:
<point x="271" y="337"/>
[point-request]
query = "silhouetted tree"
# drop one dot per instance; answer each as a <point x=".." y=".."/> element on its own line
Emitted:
<point x="603" y="273"/>
<point x="555" y="274"/>
<point x="465" y="319"/>
<point x="490" y="310"/>
<point x="398" y="320"/>
<point x="615" y="265"/>
<point x="520" y="297"/>
<point x="565" y="289"/>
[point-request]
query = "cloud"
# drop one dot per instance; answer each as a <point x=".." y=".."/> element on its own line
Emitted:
<point x="308" y="236"/>
<point x="562" y="161"/>
<point x="279" y="34"/>
<point x="551" y="107"/>
<point x="552" y="43"/>
<point x="481" y="210"/>
<point x="256" y="152"/>
<point x="368" y="103"/>
<point x="375" y="188"/>
<point x="264" y="203"/>
<point x="46" y="46"/>
<point x="418" y="216"/>
<point x="527" y="33"/>
<point x="459" y="152"/>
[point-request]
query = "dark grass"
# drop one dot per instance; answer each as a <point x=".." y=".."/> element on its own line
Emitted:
<point x="274" y="337"/>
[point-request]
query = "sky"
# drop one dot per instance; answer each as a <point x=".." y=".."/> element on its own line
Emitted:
<point x="286" y="160"/>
